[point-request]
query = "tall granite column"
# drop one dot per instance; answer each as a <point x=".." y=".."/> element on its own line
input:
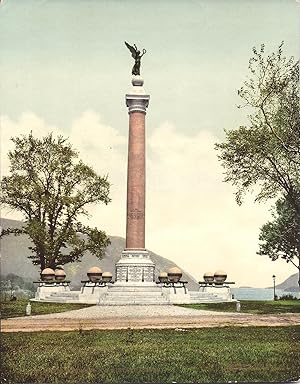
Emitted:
<point x="135" y="264"/>
<point x="135" y="221"/>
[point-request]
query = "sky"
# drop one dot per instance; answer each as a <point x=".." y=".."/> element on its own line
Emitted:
<point x="65" y="69"/>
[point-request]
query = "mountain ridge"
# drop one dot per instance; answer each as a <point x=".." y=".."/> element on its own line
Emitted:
<point x="15" y="248"/>
<point x="290" y="284"/>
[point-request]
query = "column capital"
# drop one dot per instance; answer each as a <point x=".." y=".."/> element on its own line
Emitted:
<point x="137" y="103"/>
<point x="136" y="99"/>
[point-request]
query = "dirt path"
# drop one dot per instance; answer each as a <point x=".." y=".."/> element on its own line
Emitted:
<point x="40" y="323"/>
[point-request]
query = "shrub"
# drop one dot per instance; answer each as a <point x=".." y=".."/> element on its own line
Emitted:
<point x="287" y="297"/>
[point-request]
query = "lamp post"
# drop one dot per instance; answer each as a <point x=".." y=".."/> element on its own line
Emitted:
<point x="274" y="293"/>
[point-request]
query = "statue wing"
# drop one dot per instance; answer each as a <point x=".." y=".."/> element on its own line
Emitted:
<point x="131" y="49"/>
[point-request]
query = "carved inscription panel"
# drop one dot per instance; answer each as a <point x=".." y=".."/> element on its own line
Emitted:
<point x="136" y="214"/>
<point x="135" y="273"/>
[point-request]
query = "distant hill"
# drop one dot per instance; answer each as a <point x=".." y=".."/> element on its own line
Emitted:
<point x="14" y="250"/>
<point x="290" y="284"/>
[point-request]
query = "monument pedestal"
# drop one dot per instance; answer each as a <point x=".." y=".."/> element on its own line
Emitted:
<point x="135" y="266"/>
<point x="221" y="291"/>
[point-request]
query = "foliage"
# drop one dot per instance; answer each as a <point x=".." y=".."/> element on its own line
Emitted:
<point x="281" y="237"/>
<point x="287" y="297"/>
<point x="266" y="154"/>
<point x="51" y="187"/>
<point x="15" y="286"/>
<point x="18" y="281"/>
<point x="251" y="306"/>
<point x="17" y="308"/>
<point x="247" y="354"/>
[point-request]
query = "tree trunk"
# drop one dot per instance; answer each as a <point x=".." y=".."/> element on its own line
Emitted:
<point x="43" y="262"/>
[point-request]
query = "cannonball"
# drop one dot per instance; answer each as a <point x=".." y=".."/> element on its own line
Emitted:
<point x="94" y="274"/>
<point x="220" y="277"/>
<point x="174" y="274"/>
<point x="106" y="277"/>
<point x="208" y="277"/>
<point x="47" y="274"/>
<point x="60" y="274"/>
<point x="163" y="277"/>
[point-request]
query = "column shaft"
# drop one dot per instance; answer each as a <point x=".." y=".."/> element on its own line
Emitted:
<point x="135" y="223"/>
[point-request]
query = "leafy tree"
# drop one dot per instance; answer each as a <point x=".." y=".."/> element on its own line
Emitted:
<point x="52" y="188"/>
<point x="281" y="237"/>
<point x="265" y="155"/>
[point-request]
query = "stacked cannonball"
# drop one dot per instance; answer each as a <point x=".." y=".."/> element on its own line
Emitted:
<point x="60" y="274"/>
<point x="163" y="277"/>
<point x="209" y="277"/>
<point x="173" y="275"/>
<point x="218" y="277"/>
<point x="96" y="275"/>
<point x="50" y="275"/>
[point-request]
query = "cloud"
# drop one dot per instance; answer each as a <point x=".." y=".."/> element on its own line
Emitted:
<point x="191" y="215"/>
<point x="99" y="145"/>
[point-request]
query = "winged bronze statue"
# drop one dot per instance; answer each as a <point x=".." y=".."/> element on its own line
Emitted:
<point x="137" y="55"/>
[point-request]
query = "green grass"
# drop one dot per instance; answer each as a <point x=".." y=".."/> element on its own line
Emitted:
<point x="17" y="308"/>
<point x="258" y="307"/>
<point x="152" y="356"/>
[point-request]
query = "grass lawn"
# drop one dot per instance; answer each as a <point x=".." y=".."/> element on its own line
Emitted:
<point x="259" y="307"/>
<point x="152" y="356"/>
<point x="17" y="308"/>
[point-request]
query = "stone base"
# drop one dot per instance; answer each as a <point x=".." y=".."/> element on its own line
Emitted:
<point x="221" y="291"/>
<point x="177" y="294"/>
<point x="134" y="294"/>
<point x="135" y="266"/>
<point x="46" y="290"/>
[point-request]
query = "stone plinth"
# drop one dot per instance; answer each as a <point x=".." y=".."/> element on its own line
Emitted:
<point x="221" y="291"/>
<point x="135" y="266"/>
<point x="45" y="289"/>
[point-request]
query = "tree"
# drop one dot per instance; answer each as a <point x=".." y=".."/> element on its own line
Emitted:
<point x="265" y="155"/>
<point x="51" y="187"/>
<point x="281" y="237"/>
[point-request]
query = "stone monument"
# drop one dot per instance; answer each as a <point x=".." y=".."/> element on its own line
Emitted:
<point x="135" y="271"/>
<point x="135" y="265"/>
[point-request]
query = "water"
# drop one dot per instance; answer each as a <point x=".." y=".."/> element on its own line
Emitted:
<point x="259" y="293"/>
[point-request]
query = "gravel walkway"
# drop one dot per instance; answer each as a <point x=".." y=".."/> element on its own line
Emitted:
<point x="131" y="311"/>
<point x="140" y="317"/>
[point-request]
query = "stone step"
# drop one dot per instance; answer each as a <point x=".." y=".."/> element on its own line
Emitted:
<point x="58" y="300"/>
<point x="120" y="303"/>
<point x="64" y="294"/>
<point x="207" y="300"/>
<point x="113" y="297"/>
<point x="135" y="297"/>
<point x="205" y="297"/>
<point x="134" y="293"/>
<point x="134" y="289"/>
<point x="198" y="301"/>
<point x="132" y="298"/>
<point x="140" y="302"/>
